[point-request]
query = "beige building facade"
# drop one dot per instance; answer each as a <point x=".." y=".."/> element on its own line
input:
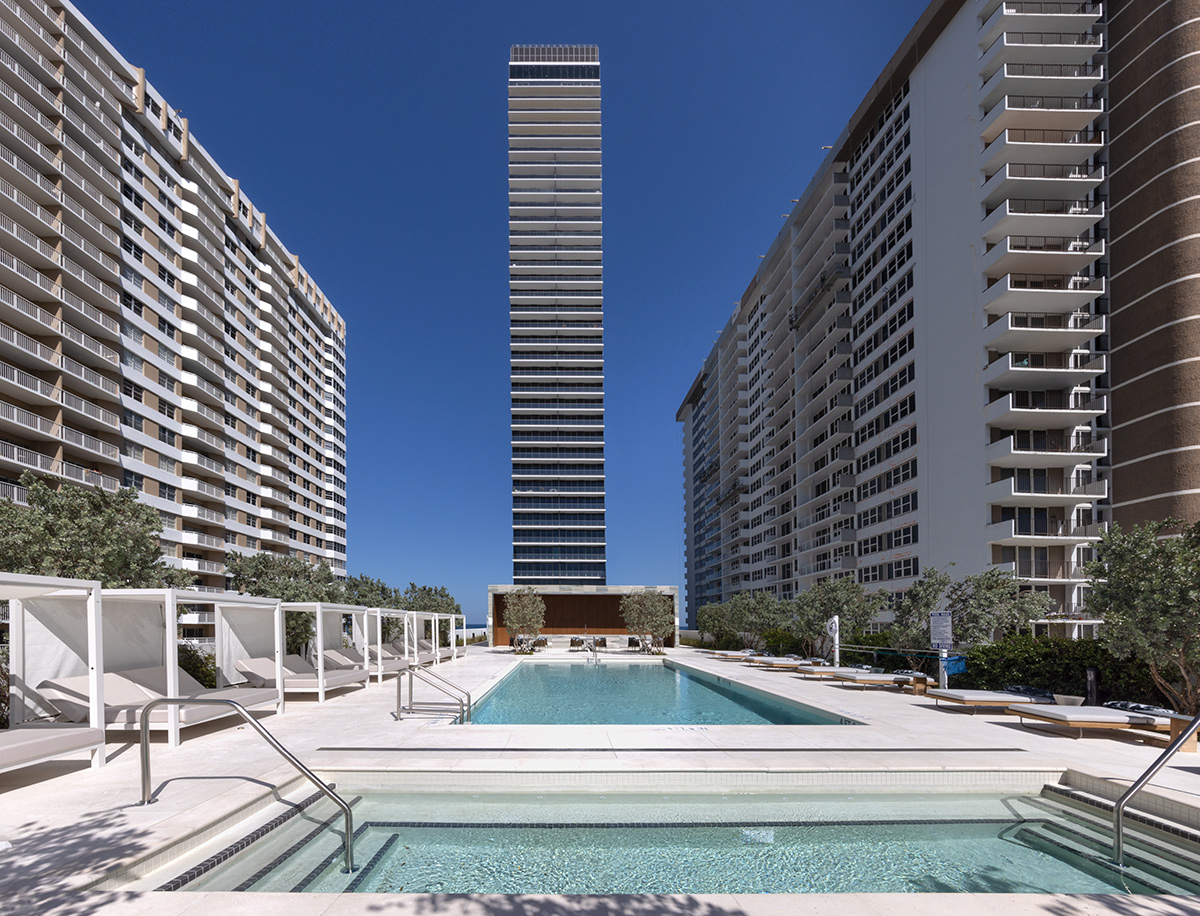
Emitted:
<point x="155" y="332"/>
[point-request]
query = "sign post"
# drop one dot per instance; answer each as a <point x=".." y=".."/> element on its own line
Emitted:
<point x="833" y="628"/>
<point x="941" y="638"/>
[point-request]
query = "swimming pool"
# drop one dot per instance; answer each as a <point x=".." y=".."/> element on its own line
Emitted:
<point x="588" y="844"/>
<point x="634" y="693"/>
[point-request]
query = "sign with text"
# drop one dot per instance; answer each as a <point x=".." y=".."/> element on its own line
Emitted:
<point x="940" y="636"/>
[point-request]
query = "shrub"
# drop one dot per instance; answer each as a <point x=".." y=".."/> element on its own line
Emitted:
<point x="1058" y="665"/>
<point x="199" y="664"/>
<point x="3" y="686"/>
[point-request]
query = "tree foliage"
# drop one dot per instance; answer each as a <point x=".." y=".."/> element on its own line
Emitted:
<point x="365" y="591"/>
<point x="910" y="628"/>
<point x="807" y="614"/>
<point x="650" y="616"/>
<point x="981" y="604"/>
<point x="524" y="616"/>
<point x="272" y="575"/>
<point x="1146" y="588"/>
<point x="86" y="533"/>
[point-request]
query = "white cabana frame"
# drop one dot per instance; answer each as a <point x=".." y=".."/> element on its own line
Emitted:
<point x="82" y="655"/>
<point x="368" y="634"/>
<point x="414" y="628"/>
<point x="327" y="623"/>
<point x="166" y="602"/>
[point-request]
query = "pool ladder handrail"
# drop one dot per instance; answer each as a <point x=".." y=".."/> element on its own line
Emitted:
<point x="595" y="650"/>
<point x="148" y="799"/>
<point x="462" y="698"/>
<point x="1139" y="784"/>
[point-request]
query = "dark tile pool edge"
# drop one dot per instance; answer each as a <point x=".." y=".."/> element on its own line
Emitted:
<point x="223" y="855"/>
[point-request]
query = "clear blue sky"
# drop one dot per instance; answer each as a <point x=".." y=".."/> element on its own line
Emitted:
<point x="373" y="134"/>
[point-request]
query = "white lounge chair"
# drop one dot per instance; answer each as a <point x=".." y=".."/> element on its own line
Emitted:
<point x="127" y="692"/>
<point x="822" y="671"/>
<point x="983" y="698"/>
<point x="27" y="745"/>
<point x="298" y="675"/>
<point x="393" y="661"/>
<point x="1087" y="718"/>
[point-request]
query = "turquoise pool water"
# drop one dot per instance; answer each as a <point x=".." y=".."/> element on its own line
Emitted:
<point x="677" y="845"/>
<point x="632" y="693"/>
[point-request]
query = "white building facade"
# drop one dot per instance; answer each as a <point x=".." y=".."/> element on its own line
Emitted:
<point x="154" y="331"/>
<point x="556" y="315"/>
<point x="916" y="375"/>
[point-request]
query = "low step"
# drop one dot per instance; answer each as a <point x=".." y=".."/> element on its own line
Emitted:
<point x="1096" y="803"/>
<point x="1085" y="854"/>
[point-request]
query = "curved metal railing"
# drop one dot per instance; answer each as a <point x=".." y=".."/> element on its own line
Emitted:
<point x="459" y="696"/>
<point x="1140" y="783"/>
<point x="147" y="796"/>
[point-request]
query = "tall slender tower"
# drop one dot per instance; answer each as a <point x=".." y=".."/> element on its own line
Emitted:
<point x="556" y="315"/>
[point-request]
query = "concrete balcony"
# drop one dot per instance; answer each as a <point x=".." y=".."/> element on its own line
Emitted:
<point x="1055" y="450"/>
<point x="1041" y="216"/>
<point x="1056" y="293"/>
<point x="1040" y="533"/>
<point x="1040" y="254"/>
<point x="1040" y="79"/>
<point x="1036" y="47"/>
<point x="1050" y="410"/>
<point x="1061" y="490"/>
<point x="1036" y="17"/>
<point x="1024" y="180"/>
<point x="1033" y="370"/>
<point x="1020" y="144"/>
<point x="1042" y="332"/>
<point x="1047" y="571"/>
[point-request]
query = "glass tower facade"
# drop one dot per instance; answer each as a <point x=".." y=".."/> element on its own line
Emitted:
<point x="556" y="315"/>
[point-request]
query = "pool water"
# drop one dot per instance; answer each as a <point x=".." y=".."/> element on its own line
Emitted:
<point x="691" y="844"/>
<point x="632" y="693"/>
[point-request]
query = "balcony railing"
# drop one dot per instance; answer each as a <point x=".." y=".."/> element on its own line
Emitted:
<point x="1050" y="282"/>
<point x="1051" y="170"/>
<point x="1069" y="70"/>
<point x="1046" y="38"/>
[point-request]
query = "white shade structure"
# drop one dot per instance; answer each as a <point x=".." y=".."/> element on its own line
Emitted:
<point x="414" y="635"/>
<point x="368" y="635"/>
<point x="329" y="631"/>
<point x="54" y="631"/>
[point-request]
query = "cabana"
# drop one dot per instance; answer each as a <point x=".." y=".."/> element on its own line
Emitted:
<point x="54" y="627"/>
<point x="367" y="630"/>
<point x="139" y="658"/>
<point x="415" y="644"/>
<point x="329" y="635"/>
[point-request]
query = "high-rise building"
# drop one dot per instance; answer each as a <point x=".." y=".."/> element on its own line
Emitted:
<point x="917" y="374"/>
<point x="154" y="330"/>
<point x="556" y="309"/>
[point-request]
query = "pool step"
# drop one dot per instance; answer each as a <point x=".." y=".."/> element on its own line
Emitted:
<point x="1082" y="835"/>
<point x="1181" y="836"/>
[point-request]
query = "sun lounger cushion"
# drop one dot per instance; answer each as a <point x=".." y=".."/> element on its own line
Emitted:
<point x="827" y="670"/>
<point x="23" y="746"/>
<point x="259" y="672"/>
<point x="69" y="695"/>
<point x="343" y="659"/>
<point x="1099" y="715"/>
<point x="984" y="697"/>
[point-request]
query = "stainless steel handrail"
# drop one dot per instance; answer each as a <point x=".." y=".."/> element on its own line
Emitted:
<point x="465" y="708"/>
<point x="147" y="799"/>
<point x="1140" y="783"/>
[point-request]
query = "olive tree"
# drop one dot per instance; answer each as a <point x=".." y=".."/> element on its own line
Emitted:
<point x="910" y="628"/>
<point x="807" y="614"/>
<point x="272" y="575"/>
<point x="1146" y="588"/>
<point x="524" y="617"/>
<point x="992" y="601"/>
<point x="85" y="533"/>
<point x="714" y="620"/>
<point x="650" y="616"/>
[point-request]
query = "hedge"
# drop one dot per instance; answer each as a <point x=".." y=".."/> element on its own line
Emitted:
<point x="1058" y="665"/>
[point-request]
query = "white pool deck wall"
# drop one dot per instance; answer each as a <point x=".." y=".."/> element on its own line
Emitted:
<point x="580" y="590"/>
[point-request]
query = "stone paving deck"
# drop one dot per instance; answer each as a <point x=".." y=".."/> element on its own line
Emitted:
<point x="69" y="825"/>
